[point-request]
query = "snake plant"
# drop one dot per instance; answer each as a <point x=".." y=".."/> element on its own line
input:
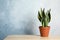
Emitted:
<point x="44" y="17"/>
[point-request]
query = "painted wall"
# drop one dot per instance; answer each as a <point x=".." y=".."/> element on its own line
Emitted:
<point x="55" y="13"/>
<point x="20" y="17"/>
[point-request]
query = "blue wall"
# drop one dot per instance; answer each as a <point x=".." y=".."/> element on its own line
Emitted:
<point x="18" y="17"/>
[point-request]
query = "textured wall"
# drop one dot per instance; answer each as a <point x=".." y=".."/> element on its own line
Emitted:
<point x="20" y="16"/>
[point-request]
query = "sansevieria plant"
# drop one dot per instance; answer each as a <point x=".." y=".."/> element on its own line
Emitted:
<point x="44" y="18"/>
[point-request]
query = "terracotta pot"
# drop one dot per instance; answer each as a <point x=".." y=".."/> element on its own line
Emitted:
<point x="44" y="31"/>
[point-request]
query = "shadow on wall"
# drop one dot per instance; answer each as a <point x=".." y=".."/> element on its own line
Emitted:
<point x="6" y="30"/>
<point x="29" y="28"/>
<point x="2" y="35"/>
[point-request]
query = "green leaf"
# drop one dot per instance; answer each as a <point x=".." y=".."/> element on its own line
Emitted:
<point x="43" y="17"/>
<point x="49" y="15"/>
<point x="43" y="13"/>
<point x="39" y="16"/>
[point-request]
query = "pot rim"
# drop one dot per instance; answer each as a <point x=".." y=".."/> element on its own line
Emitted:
<point x="44" y="27"/>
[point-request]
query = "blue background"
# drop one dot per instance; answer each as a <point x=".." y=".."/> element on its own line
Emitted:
<point x="18" y="17"/>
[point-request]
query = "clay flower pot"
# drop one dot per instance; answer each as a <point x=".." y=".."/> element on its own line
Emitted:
<point x="44" y="31"/>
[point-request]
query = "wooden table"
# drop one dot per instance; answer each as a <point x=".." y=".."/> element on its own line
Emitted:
<point x="30" y="37"/>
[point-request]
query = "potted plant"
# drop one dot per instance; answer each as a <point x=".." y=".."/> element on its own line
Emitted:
<point x="44" y="18"/>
